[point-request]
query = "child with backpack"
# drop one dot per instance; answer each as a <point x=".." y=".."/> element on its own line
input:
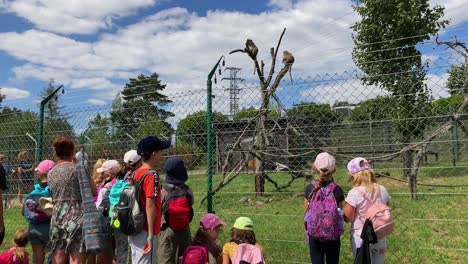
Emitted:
<point x="243" y="247"/>
<point x="323" y="216"/>
<point x="38" y="216"/>
<point x="109" y="171"/>
<point x="365" y="194"/>
<point x="19" y="253"/>
<point x="143" y="222"/>
<point x="132" y="161"/>
<point x="204" y="248"/>
<point x="177" y="201"/>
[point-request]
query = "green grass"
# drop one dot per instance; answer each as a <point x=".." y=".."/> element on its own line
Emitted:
<point x="429" y="230"/>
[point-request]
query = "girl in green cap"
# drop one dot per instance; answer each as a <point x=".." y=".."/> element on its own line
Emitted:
<point x="243" y="241"/>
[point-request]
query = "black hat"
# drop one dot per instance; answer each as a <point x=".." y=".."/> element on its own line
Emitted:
<point x="151" y="144"/>
<point x="175" y="171"/>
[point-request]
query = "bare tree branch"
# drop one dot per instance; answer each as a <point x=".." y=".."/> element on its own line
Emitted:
<point x="273" y="61"/>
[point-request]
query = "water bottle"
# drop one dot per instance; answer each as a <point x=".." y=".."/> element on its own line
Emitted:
<point x="340" y="219"/>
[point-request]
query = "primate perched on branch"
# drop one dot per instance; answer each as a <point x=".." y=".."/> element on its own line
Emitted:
<point x="288" y="59"/>
<point x="250" y="48"/>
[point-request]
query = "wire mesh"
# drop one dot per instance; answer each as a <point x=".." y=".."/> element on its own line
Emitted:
<point x="333" y="112"/>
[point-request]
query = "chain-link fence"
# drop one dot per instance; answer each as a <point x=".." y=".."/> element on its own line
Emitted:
<point x="421" y="135"/>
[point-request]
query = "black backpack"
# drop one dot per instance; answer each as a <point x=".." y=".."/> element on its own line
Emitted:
<point x="131" y="216"/>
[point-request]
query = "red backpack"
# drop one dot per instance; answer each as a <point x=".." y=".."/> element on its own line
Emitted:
<point x="178" y="211"/>
<point x="195" y="255"/>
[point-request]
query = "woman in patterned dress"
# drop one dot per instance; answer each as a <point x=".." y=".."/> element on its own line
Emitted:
<point x="66" y="238"/>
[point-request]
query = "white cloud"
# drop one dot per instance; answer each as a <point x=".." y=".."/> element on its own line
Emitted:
<point x="98" y="102"/>
<point x="283" y="4"/>
<point x="74" y="16"/>
<point x="182" y="47"/>
<point x="455" y="10"/>
<point x="12" y="93"/>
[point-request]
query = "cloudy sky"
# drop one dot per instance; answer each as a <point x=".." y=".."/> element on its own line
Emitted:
<point x="93" y="47"/>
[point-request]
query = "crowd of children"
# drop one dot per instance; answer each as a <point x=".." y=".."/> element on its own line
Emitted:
<point x="53" y="211"/>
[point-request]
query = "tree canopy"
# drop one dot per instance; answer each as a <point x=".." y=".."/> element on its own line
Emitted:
<point x="141" y="97"/>
<point x="192" y="129"/>
<point x="386" y="51"/>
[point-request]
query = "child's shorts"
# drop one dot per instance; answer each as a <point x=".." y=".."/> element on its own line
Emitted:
<point x="38" y="234"/>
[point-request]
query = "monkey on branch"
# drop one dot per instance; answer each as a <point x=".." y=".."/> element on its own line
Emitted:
<point x="252" y="51"/>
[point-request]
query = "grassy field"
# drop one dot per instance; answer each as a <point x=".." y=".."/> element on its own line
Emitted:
<point x="432" y="229"/>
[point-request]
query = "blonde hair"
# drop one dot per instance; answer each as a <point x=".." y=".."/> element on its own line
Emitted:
<point x="98" y="178"/>
<point x="321" y="178"/>
<point x="21" y="240"/>
<point x="364" y="178"/>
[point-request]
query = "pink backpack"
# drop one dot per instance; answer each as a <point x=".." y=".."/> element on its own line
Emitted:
<point x="322" y="220"/>
<point x="247" y="254"/>
<point x="195" y="255"/>
<point x="379" y="214"/>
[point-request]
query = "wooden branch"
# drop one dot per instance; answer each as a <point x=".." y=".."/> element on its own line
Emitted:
<point x="237" y="50"/>
<point x="227" y="180"/>
<point x="455" y="45"/>
<point x="239" y="139"/>
<point x="271" y="180"/>
<point x="263" y="68"/>
<point x="259" y="72"/>
<point x="280" y="76"/>
<point x="273" y="62"/>
<point x="463" y="127"/>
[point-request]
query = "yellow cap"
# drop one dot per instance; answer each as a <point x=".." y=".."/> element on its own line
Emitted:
<point x="243" y="223"/>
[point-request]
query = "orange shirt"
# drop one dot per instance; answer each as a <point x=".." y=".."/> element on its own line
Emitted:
<point x="150" y="188"/>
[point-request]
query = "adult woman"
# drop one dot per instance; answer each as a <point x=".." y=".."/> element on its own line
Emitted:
<point x="66" y="239"/>
<point x="364" y="185"/>
<point x="24" y="174"/>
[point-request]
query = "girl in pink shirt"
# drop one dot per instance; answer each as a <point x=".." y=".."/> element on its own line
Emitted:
<point x="364" y="183"/>
<point x="17" y="254"/>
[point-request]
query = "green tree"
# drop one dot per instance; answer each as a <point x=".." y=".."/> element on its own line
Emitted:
<point x="251" y="112"/>
<point x="99" y="132"/>
<point x="141" y="97"/>
<point x="377" y="109"/>
<point x="457" y="81"/>
<point x="386" y="51"/>
<point x="53" y="107"/>
<point x="314" y="113"/>
<point x="445" y="106"/>
<point x="192" y="129"/>
<point x="153" y="125"/>
<point x="245" y="113"/>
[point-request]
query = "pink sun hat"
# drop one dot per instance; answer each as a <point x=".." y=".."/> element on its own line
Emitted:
<point x="45" y="166"/>
<point x="211" y="221"/>
<point x="325" y="162"/>
<point x="358" y="164"/>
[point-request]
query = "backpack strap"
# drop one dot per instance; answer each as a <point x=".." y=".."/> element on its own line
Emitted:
<point x="375" y="194"/>
<point x="144" y="176"/>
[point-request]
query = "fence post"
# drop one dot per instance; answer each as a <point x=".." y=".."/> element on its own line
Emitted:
<point x="209" y="125"/>
<point x="41" y="124"/>
<point x="454" y="143"/>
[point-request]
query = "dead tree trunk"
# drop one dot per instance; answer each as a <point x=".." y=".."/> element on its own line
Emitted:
<point x="267" y="91"/>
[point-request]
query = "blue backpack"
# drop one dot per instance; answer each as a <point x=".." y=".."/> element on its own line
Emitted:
<point x="114" y="197"/>
<point x="33" y="212"/>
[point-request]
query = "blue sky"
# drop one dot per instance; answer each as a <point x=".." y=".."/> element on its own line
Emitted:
<point x="93" y="47"/>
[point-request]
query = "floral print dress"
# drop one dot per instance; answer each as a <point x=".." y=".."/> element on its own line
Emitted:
<point x="66" y="223"/>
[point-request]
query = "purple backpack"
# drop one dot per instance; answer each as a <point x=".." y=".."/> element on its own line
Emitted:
<point x="323" y="221"/>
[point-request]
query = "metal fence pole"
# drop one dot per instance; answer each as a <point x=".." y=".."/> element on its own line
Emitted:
<point x="209" y="124"/>
<point x="41" y="124"/>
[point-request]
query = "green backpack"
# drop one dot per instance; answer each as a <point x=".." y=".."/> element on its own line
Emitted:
<point x="114" y="196"/>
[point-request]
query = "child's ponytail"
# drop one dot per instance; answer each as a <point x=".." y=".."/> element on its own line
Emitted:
<point x="21" y="240"/>
<point x="320" y="179"/>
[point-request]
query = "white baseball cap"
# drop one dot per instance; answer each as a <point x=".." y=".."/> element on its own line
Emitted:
<point x="132" y="157"/>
